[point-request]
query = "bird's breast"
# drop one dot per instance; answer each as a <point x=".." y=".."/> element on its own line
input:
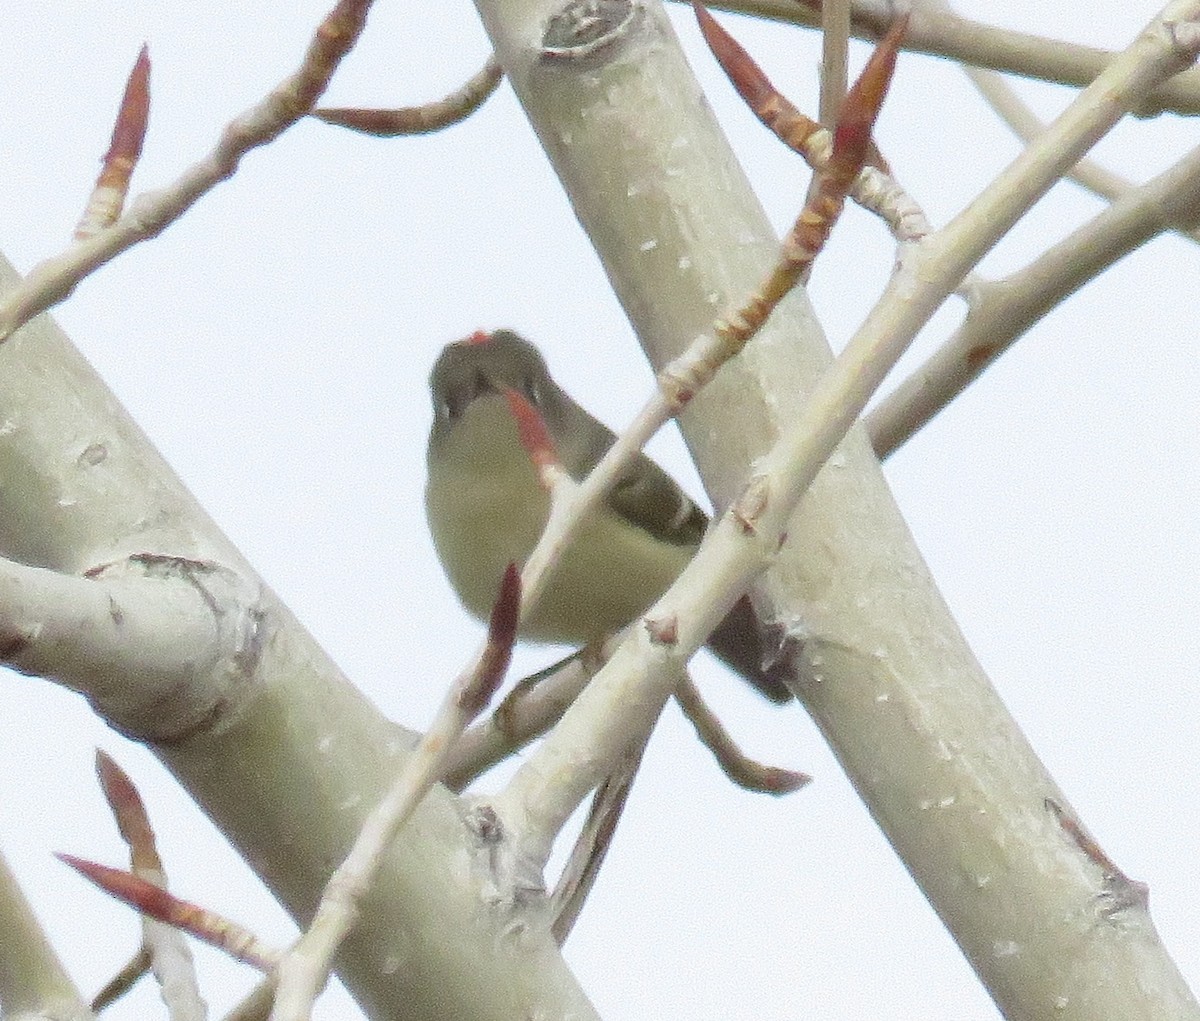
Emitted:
<point x="486" y="509"/>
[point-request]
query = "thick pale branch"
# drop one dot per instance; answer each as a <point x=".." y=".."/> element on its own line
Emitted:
<point x="33" y="982"/>
<point x="83" y="487"/>
<point x="147" y="650"/>
<point x="685" y="376"/>
<point x="879" y="663"/>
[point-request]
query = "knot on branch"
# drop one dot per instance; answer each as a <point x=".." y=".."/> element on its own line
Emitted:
<point x="583" y="28"/>
<point x="183" y="638"/>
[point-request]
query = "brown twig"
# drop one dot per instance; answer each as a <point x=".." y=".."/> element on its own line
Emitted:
<point x="420" y="120"/>
<point x="130" y="974"/>
<point x="831" y="185"/>
<point x="742" y="770"/>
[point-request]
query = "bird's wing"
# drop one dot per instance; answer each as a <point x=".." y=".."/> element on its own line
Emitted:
<point x="649" y="496"/>
<point x="644" y="494"/>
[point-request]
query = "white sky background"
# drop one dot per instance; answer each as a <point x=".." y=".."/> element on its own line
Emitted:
<point x="275" y="345"/>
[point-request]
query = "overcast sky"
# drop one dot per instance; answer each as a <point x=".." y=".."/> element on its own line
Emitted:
<point x="275" y="345"/>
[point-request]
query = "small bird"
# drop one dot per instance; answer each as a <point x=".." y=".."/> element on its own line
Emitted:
<point x="486" y="508"/>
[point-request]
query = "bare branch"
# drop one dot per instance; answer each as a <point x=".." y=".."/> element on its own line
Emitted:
<point x="743" y="771"/>
<point x="1000" y="312"/>
<point x="304" y="970"/>
<point x="1027" y="125"/>
<point x="33" y="982"/>
<point x="874" y="188"/>
<point x="53" y="280"/>
<point x="256" y="1005"/>
<point x="129" y="975"/>
<point x="418" y="120"/>
<point x="938" y="30"/>
<point x="835" y="39"/>
<point x="132" y="634"/>
<point x="587" y="856"/>
<point x="528" y="711"/>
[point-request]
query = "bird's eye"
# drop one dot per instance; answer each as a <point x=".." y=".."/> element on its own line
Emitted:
<point x="450" y="407"/>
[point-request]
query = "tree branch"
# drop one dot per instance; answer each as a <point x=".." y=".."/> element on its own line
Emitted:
<point x="290" y="761"/>
<point x="156" y="655"/>
<point x="53" y="280"/>
<point x="33" y="982"/>
<point x="1026" y="126"/>
<point x="881" y="665"/>
<point x="938" y="30"/>
<point x="999" y="312"/>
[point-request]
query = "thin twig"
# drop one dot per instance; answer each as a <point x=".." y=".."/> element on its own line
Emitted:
<point x="874" y="189"/>
<point x="591" y="848"/>
<point x="163" y="949"/>
<point x="939" y="31"/>
<point x="1026" y="125"/>
<point x="742" y="770"/>
<point x="999" y="312"/>
<point x="124" y="980"/>
<point x="531" y="708"/>
<point x="305" y="968"/>
<point x="53" y="280"/>
<point x="835" y="40"/>
<point x="255" y="1005"/>
<point x="420" y="120"/>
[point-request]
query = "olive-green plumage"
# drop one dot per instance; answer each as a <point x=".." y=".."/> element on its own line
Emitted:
<point x="486" y="507"/>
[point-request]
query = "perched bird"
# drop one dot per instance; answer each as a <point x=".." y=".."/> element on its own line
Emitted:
<point x="486" y="508"/>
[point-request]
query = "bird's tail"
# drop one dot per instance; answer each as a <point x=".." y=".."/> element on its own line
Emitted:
<point x="738" y="643"/>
